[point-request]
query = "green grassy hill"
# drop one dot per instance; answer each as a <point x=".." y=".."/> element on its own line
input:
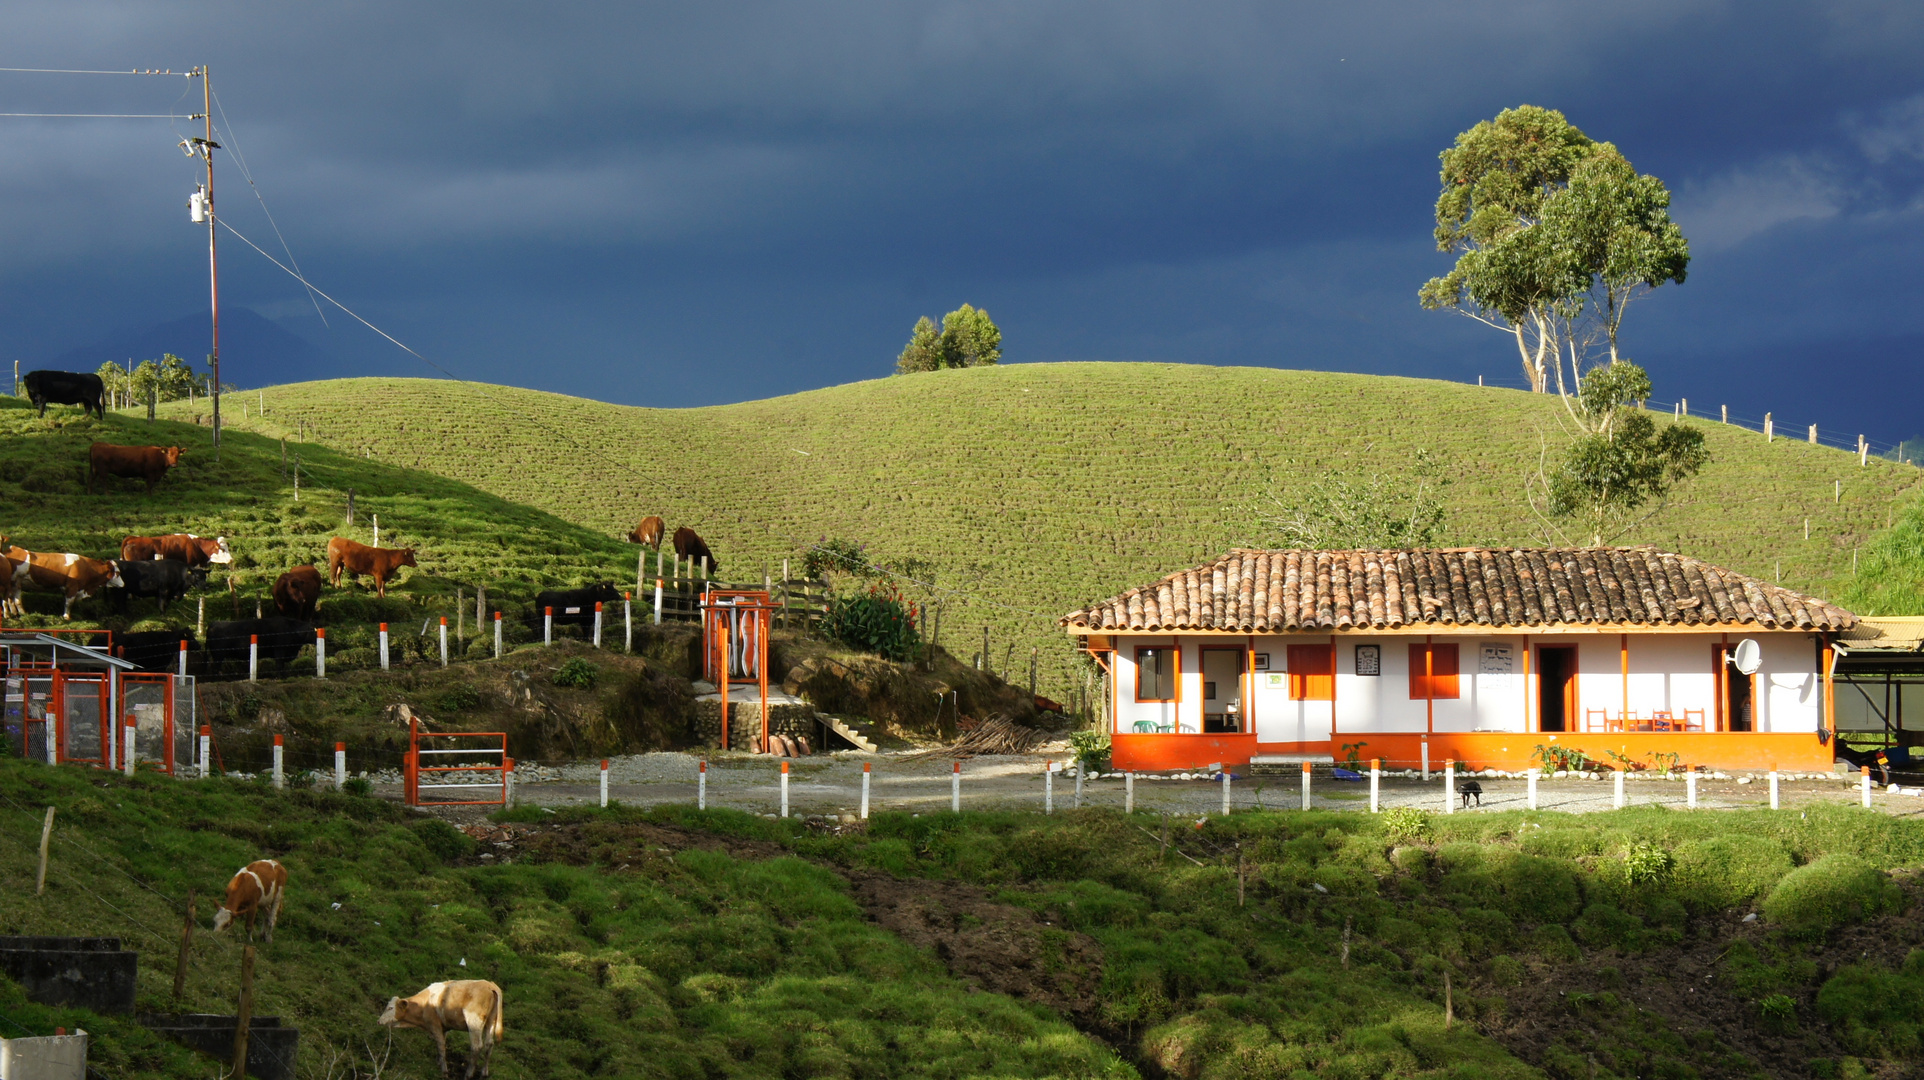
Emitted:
<point x="1039" y="487"/>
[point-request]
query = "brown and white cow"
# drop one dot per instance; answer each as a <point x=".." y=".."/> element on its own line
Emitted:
<point x="297" y="593"/>
<point x="258" y="888"/>
<point x="358" y="558"/>
<point x="75" y="576"/>
<point x="473" y="1005"/>
<point x="648" y="532"/>
<point x="188" y="548"/>
<point x="148" y="463"/>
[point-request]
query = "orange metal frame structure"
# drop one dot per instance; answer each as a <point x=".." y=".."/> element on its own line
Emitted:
<point x="411" y="780"/>
<point x="734" y="629"/>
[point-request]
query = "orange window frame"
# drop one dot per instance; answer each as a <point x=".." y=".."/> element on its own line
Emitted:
<point x="1441" y="682"/>
<point x="1175" y="676"/>
<point x="1312" y="672"/>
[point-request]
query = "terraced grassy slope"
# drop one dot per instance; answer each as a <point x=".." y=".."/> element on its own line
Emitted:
<point x="1038" y="487"/>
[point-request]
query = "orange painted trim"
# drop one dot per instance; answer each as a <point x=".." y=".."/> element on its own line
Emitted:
<point x="1623" y="653"/>
<point x="1155" y="753"/>
<point x="1529" y="723"/>
<point x="1509" y="751"/>
<point x="1176" y="648"/>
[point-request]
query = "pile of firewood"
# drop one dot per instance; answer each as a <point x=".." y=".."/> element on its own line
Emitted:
<point x="996" y="735"/>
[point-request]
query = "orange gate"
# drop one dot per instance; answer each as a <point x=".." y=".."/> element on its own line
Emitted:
<point x="735" y="625"/>
<point x="492" y="750"/>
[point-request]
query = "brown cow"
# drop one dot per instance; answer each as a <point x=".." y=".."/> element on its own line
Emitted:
<point x="297" y="593"/>
<point x="188" y="548"/>
<point x="148" y="463"/>
<point x="76" y="576"/>
<point x="690" y="546"/>
<point x="648" y="532"/>
<point x="357" y="558"/>
<point x="473" y="1005"/>
<point x="260" y="886"/>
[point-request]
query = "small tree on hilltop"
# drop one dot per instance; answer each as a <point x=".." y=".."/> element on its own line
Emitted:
<point x="968" y="338"/>
<point x="1621" y="462"/>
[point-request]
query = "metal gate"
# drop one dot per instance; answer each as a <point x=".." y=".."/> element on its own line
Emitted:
<point x="80" y="703"/>
<point x="735" y="625"/>
<point x="488" y="754"/>
<point x="147" y="703"/>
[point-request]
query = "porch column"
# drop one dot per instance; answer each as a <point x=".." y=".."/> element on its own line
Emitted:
<point x="1623" y="653"/>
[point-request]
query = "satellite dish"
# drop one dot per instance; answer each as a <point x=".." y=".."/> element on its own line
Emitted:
<point x="1747" y="657"/>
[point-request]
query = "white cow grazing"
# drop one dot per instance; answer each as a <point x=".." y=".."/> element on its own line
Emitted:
<point x="471" y="1004"/>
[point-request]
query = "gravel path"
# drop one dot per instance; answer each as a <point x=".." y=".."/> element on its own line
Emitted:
<point x="831" y="785"/>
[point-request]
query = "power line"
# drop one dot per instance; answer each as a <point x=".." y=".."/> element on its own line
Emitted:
<point x="100" y="115"/>
<point x="79" y="71"/>
<point x="233" y="147"/>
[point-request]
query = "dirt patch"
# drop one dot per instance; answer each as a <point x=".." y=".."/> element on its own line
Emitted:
<point x="1685" y="993"/>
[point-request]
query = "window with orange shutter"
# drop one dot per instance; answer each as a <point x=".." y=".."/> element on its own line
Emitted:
<point x="1312" y="673"/>
<point x="1441" y="682"/>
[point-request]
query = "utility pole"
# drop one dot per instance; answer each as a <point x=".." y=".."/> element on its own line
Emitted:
<point x="203" y="207"/>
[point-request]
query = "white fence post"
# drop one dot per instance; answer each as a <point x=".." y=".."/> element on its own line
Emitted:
<point x="320" y="652"/>
<point x="604" y="783"/>
<point x="1864" y="786"/>
<point x="865" y="773"/>
<point x="207" y="751"/>
<point x="1376" y="780"/>
<point x="597" y="624"/>
<point x="627" y="624"/>
<point x="1449" y="785"/>
<point x="340" y="766"/>
<point x="444" y="641"/>
<point x="253" y="656"/>
<point x="1226" y="780"/>
<point x="1129" y="793"/>
<point x="1690" y="788"/>
<point x="280" y="770"/>
<point x="1079" y="771"/>
<point x="658" y="594"/>
<point x="1534" y="775"/>
<point x="1773" y="789"/>
<point x="1617" y="799"/>
<point x="1426" y="760"/>
<point x="507" y="779"/>
<point x="784" y="789"/>
<point x="127" y="759"/>
<point x="183" y="658"/>
<point x="497" y="635"/>
<point x="383" y="646"/>
<point x="955" y="788"/>
<point x="701" y="787"/>
<point x="1049" y="788"/>
<point x="547" y="626"/>
<point x="1305" y="785"/>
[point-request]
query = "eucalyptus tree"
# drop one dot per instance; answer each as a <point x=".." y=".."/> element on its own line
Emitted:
<point x="968" y="338"/>
<point x="1621" y="467"/>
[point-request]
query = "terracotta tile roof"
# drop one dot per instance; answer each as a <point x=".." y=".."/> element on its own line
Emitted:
<point x="1251" y="591"/>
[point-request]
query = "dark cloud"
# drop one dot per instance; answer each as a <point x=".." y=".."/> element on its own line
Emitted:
<point x="682" y="204"/>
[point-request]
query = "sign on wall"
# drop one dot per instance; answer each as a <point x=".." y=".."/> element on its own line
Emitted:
<point x="1496" y="660"/>
<point x="1369" y="660"/>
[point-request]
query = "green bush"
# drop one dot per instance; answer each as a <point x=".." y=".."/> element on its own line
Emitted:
<point x="1645" y="863"/>
<point x="442" y="839"/>
<point x="577" y="673"/>
<point x="1778" y="1014"/>
<point x="1407" y="825"/>
<point x="358" y="785"/>
<point x="1092" y="749"/>
<point x="1836" y="890"/>
<point x="876" y="620"/>
<point x="1724" y="872"/>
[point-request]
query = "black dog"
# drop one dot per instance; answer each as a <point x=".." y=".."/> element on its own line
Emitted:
<point x="1470" y="789"/>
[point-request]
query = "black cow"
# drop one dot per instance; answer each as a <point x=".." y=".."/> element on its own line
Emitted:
<point x="282" y="639"/>
<point x="576" y="607"/>
<point x="162" y="579"/>
<point x="66" y="388"/>
<point x="153" y="650"/>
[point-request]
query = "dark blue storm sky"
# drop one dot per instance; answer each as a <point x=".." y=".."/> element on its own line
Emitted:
<point x="677" y="204"/>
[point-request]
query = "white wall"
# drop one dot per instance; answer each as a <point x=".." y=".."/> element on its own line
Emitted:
<point x="1668" y="672"/>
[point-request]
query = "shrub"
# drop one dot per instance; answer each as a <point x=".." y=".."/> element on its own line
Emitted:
<point x="876" y="620"/>
<point x="1092" y="749"/>
<point x="1778" y="1014"/>
<point x="1645" y="863"/>
<point x="1833" y="891"/>
<point x="443" y="840"/>
<point x="837" y="556"/>
<point x="1407" y="825"/>
<point x="577" y="673"/>
<point x="358" y="785"/>
<point x="1726" y="871"/>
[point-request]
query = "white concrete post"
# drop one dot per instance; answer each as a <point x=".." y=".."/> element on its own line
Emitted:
<point x="207" y="752"/>
<point x="784" y="789"/>
<point x="604" y="783"/>
<point x="1534" y="775"/>
<point x="597" y="624"/>
<point x="1617" y="799"/>
<point x="507" y="780"/>
<point x="340" y="766"/>
<point x="1426" y="760"/>
<point x="1449" y="786"/>
<point x="320" y="652"/>
<point x="865" y="772"/>
<point x="1049" y="788"/>
<point x="1079" y="771"/>
<point x="1376" y="780"/>
<point x="1773" y="789"/>
<point x="1226" y="796"/>
<point x="657" y="597"/>
<point x="183" y="658"/>
<point x="627" y="624"/>
<point x="1864" y="786"/>
<point x="955" y="789"/>
<point x="253" y="656"/>
<point x="280" y="768"/>
<point x="701" y="787"/>
<point x="444" y="641"/>
<point x="1690" y="788"/>
<point x="383" y="646"/>
<point x="127" y="758"/>
<point x="497" y="635"/>
<point x="547" y="626"/>
<point x="1129" y="793"/>
<point x="1305" y="785"/>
